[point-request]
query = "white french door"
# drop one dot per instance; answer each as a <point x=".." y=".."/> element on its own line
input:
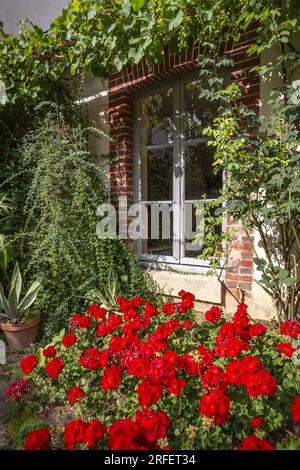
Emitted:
<point x="172" y="170"/>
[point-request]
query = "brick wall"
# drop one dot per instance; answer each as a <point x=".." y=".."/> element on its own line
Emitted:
<point x="123" y="85"/>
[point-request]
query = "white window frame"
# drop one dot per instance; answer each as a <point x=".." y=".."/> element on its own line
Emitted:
<point x="178" y="261"/>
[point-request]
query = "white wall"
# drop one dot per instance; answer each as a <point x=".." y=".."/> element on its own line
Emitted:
<point x="41" y="12"/>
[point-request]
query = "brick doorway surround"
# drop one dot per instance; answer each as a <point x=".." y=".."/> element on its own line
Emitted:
<point x="121" y="89"/>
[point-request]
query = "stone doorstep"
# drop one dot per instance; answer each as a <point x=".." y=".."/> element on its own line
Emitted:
<point x="207" y="290"/>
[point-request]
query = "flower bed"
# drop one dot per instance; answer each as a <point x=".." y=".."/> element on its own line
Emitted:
<point x="140" y="378"/>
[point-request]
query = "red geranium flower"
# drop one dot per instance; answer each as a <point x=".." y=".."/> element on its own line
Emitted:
<point x="97" y="312"/>
<point x="54" y="367"/>
<point x="215" y="405"/>
<point x="117" y="345"/>
<point x="187" y="299"/>
<point x="295" y="409"/>
<point x="257" y="422"/>
<point x="111" y="377"/>
<point x="186" y="325"/>
<point x="190" y="365"/>
<point x="153" y="425"/>
<point x="148" y="393"/>
<point x="90" y="359"/>
<point x="94" y="432"/>
<point x="213" y="314"/>
<point x="38" y="440"/>
<point x="80" y="321"/>
<point x="231" y="347"/>
<point x="286" y="348"/>
<point x="255" y="443"/>
<point x="123" y="435"/>
<point x="74" y="433"/>
<point x="75" y="394"/>
<point x="18" y="389"/>
<point x="150" y="310"/>
<point x="50" y="351"/>
<point x="107" y="327"/>
<point x="214" y="378"/>
<point x="28" y="363"/>
<point x="175" y="386"/>
<point x="290" y="328"/>
<point x="69" y="339"/>
<point x="257" y="330"/>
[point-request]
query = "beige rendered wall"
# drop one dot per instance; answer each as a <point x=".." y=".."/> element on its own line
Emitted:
<point x="94" y="109"/>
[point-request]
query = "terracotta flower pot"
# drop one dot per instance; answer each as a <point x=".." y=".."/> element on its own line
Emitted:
<point x="20" y="335"/>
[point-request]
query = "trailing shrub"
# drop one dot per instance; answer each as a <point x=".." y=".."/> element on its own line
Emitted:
<point x="59" y="243"/>
<point x="140" y="378"/>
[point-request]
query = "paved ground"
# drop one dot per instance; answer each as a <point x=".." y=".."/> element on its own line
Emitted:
<point x="5" y="379"/>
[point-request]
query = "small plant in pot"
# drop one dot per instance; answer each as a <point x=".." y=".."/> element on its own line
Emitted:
<point x="20" y="330"/>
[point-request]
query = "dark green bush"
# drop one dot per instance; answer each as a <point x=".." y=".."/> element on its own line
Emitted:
<point x="58" y="242"/>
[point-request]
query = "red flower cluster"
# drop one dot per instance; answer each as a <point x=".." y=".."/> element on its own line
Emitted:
<point x="18" y="389"/>
<point x="290" y="328"/>
<point x="295" y="409"/>
<point x="97" y="312"/>
<point x="214" y="378"/>
<point x="148" y="392"/>
<point x="187" y="303"/>
<point x="80" y="321"/>
<point x="111" y="377"/>
<point x="234" y="336"/>
<point x="29" y="363"/>
<point x="54" y="367"/>
<point x="257" y="330"/>
<point x="108" y="326"/>
<point x="68" y="340"/>
<point x="75" y="394"/>
<point x="287" y="349"/>
<point x="50" y="351"/>
<point x="215" y="405"/>
<point x="257" y="422"/>
<point x="92" y="358"/>
<point x="213" y="314"/>
<point x="255" y="443"/>
<point x="154" y="359"/>
<point x="39" y="439"/>
<point x="249" y="372"/>
<point x="142" y="433"/>
<point x="79" y="431"/>
<point x="187" y="300"/>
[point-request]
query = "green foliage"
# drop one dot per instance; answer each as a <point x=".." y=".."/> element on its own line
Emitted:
<point x="23" y="419"/>
<point x="106" y="35"/>
<point x="290" y="442"/>
<point x="58" y="241"/>
<point x="12" y="306"/>
<point x="260" y="157"/>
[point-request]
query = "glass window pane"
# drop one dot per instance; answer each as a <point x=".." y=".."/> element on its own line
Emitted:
<point x="199" y="176"/>
<point x="195" y="224"/>
<point x="160" y="230"/>
<point x="156" y="118"/>
<point x="197" y="113"/>
<point x="157" y="174"/>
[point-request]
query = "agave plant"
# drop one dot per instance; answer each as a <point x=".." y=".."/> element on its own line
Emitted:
<point x="4" y="204"/>
<point x="6" y="254"/>
<point x="106" y="298"/>
<point x="12" y="305"/>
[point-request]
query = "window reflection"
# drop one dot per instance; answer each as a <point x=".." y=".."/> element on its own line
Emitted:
<point x="156" y="117"/>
